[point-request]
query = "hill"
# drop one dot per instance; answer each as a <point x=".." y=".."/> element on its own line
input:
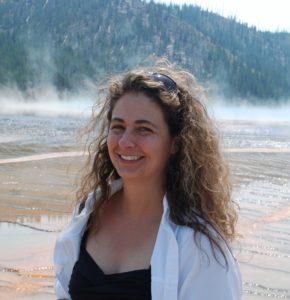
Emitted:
<point x="64" y="42"/>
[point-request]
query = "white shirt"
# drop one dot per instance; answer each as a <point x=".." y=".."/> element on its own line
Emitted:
<point x="180" y="269"/>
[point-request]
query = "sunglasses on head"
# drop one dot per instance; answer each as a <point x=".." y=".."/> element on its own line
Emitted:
<point x="169" y="83"/>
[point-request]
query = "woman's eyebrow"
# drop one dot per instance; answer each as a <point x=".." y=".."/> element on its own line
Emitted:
<point x="117" y="120"/>
<point x="141" y="121"/>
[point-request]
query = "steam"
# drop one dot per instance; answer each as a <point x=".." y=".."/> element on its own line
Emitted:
<point x="41" y="96"/>
<point x="45" y="101"/>
<point x="251" y="113"/>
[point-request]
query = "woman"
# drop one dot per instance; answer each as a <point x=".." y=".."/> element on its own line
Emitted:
<point x="156" y="214"/>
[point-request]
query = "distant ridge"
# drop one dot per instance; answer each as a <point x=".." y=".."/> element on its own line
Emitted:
<point x="64" y="42"/>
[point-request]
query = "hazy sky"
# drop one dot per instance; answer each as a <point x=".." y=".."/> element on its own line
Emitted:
<point x="264" y="14"/>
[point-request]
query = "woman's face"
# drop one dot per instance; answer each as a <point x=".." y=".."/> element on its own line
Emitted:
<point x="139" y="141"/>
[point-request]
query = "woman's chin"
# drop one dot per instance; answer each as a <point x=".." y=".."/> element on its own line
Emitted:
<point x="131" y="176"/>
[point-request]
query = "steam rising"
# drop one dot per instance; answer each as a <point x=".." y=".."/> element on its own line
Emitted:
<point x="46" y="101"/>
<point x="251" y="113"/>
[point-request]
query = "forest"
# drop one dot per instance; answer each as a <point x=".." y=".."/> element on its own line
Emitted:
<point x="66" y="42"/>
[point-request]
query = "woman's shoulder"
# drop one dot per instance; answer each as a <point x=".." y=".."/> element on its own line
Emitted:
<point x="201" y="262"/>
<point x="184" y="232"/>
<point x="80" y="217"/>
<point x="200" y="245"/>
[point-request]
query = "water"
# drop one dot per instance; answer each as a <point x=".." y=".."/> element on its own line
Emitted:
<point x="37" y="195"/>
<point x="259" y="158"/>
<point x="36" y="134"/>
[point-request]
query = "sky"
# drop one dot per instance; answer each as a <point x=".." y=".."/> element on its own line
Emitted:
<point x="272" y="15"/>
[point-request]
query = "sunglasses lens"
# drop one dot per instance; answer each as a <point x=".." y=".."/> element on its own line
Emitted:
<point x="169" y="83"/>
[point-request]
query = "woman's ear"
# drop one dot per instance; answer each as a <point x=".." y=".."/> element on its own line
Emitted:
<point x="175" y="145"/>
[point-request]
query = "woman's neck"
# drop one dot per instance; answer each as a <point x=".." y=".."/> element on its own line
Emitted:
<point x="141" y="200"/>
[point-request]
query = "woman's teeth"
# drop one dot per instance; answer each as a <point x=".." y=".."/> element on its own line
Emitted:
<point x="130" y="157"/>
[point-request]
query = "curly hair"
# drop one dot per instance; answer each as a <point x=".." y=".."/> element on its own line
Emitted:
<point x="198" y="185"/>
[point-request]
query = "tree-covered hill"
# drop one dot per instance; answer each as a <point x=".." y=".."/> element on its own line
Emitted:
<point x="66" y="41"/>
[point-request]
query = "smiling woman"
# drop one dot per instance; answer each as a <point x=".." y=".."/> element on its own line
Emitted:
<point x="155" y="214"/>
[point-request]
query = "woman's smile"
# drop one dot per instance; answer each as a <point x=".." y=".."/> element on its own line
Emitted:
<point x="130" y="157"/>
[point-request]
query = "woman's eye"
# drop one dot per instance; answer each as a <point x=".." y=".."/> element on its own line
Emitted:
<point x="144" y="130"/>
<point x="117" y="128"/>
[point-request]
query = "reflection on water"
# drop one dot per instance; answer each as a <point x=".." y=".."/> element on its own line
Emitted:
<point x="262" y="189"/>
<point x="25" y="261"/>
<point x="44" y="223"/>
<point x="24" y="135"/>
<point x="264" y="197"/>
<point x="37" y="196"/>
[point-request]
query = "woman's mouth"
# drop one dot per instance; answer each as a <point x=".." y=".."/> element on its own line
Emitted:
<point x="130" y="157"/>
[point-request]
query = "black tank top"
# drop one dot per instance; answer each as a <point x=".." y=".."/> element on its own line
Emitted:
<point x="88" y="281"/>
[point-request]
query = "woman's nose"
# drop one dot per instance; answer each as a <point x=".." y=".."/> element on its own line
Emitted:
<point x="127" y="139"/>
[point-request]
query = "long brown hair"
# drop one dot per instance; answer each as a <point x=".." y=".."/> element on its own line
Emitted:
<point x="198" y="184"/>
